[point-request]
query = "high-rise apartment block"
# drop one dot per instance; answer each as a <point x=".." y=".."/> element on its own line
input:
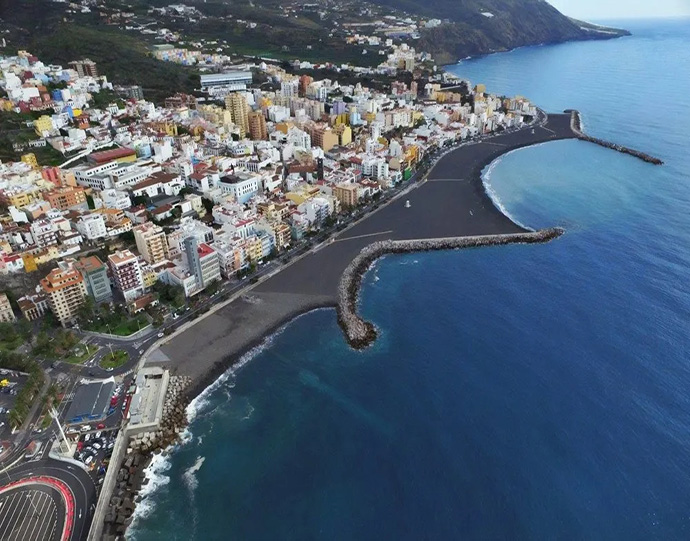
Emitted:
<point x="237" y="104"/>
<point x="95" y="275"/>
<point x="127" y="274"/>
<point x="66" y="291"/>
<point x="151" y="242"/>
<point x="257" y="126"/>
<point x="85" y="68"/>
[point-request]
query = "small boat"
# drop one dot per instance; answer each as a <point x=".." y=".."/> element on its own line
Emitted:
<point x="407" y="204"/>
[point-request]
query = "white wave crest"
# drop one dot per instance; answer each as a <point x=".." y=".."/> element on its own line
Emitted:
<point x="189" y="476"/>
<point x="202" y="401"/>
<point x="489" y="190"/>
<point x="155" y="473"/>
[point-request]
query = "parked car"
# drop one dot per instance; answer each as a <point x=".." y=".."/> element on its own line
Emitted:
<point x="100" y="426"/>
<point x="87" y="437"/>
<point x="96" y="446"/>
<point x="98" y="434"/>
<point x="85" y="428"/>
<point x="89" y="460"/>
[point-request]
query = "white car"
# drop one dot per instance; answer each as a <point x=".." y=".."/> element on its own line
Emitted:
<point x="85" y="428"/>
<point x="89" y="460"/>
<point x="87" y="437"/>
<point x="97" y="446"/>
<point x="161" y="335"/>
<point x="98" y="434"/>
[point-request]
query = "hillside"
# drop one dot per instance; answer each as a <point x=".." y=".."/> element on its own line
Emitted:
<point x="474" y="27"/>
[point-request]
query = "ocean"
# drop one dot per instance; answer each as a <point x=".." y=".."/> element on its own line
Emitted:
<point x="517" y="392"/>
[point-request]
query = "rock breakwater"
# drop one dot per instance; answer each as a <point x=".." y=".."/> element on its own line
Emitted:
<point x="360" y="333"/>
<point x="576" y="125"/>
<point x="130" y="476"/>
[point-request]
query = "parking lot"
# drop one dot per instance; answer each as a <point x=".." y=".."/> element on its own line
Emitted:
<point x="10" y="385"/>
<point x="95" y="441"/>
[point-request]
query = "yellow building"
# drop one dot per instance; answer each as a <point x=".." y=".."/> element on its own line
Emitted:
<point x="255" y="250"/>
<point x="239" y="109"/>
<point x="29" y="262"/>
<point x="324" y="137"/>
<point x="344" y="133"/>
<point x="30" y="159"/>
<point x="480" y="88"/>
<point x="43" y="124"/>
<point x="19" y="198"/>
<point x="66" y="291"/>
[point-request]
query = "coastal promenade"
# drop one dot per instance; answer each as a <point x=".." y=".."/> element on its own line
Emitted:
<point x="450" y="202"/>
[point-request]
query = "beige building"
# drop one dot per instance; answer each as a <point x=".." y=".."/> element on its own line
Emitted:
<point x="151" y="242"/>
<point x="347" y="194"/>
<point x="257" y="126"/>
<point x="66" y="291"/>
<point x="237" y="104"/>
<point x="324" y="137"/>
<point x="6" y="313"/>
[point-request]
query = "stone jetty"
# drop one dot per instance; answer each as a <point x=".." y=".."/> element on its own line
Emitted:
<point x="360" y="333"/>
<point x="140" y="449"/>
<point x="576" y="125"/>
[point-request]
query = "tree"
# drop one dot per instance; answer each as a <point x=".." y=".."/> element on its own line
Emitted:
<point x="86" y="310"/>
<point x="208" y="205"/>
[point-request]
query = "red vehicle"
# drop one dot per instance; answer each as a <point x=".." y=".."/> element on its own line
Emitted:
<point x="113" y="401"/>
<point x="100" y="425"/>
<point x="80" y="445"/>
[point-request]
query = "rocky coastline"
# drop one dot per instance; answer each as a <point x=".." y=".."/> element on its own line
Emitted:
<point x="360" y="333"/>
<point x="141" y="447"/>
<point x="576" y="124"/>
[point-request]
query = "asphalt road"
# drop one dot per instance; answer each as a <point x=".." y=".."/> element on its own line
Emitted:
<point x="80" y="483"/>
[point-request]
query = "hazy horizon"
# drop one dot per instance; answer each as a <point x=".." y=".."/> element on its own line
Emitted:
<point x="622" y="9"/>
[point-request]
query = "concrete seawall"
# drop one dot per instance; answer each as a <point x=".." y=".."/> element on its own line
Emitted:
<point x="576" y="125"/>
<point x="360" y="333"/>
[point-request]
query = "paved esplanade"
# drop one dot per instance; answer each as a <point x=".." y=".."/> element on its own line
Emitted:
<point x="451" y="203"/>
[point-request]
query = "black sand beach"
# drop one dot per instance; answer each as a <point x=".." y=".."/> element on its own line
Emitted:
<point x="451" y="203"/>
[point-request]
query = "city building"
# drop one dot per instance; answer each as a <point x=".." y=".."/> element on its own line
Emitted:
<point x="33" y="306"/>
<point x="95" y="276"/>
<point x="6" y="313"/>
<point x="221" y="83"/>
<point x="239" y="110"/>
<point x="151" y="242"/>
<point x="257" y="126"/>
<point x="67" y="198"/>
<point x="347" y="194"/>
<point x="127" y="275"/>
<point x="85" y="68"/>
<point x="202" y="261"/>
<point x="66" y="290"/>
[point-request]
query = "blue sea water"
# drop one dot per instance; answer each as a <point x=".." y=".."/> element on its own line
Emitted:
<point x="520" y="392"/>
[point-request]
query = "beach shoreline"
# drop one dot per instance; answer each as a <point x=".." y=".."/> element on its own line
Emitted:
<point x="214" y="345"/>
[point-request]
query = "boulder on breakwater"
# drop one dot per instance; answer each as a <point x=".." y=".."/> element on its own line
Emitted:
<point x="576" y="126"/>
<point x="360" y="333"/>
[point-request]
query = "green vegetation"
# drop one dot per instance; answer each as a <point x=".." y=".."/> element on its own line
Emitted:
<point x="114" y="360"/>
<point x="57" y="346"/>
<point x="14" y="129"/>
<point x="124" y="59"/>
<point x="14" y="335"/>
<point x="117" y="324"/>
<point x="28" y="392"/>
<point x="168" y="294"/>
<point x="81" y="354"/>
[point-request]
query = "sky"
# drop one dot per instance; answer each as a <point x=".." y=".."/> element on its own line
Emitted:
<point x="622" y="9"/>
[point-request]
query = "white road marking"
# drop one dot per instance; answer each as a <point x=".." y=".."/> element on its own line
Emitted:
<point x="364" y="236"/>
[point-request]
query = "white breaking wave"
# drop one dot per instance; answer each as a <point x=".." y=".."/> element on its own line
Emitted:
<point x="489" y="190"/>
<point x="155" y="473"/>
<point x="189" y="476"/>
